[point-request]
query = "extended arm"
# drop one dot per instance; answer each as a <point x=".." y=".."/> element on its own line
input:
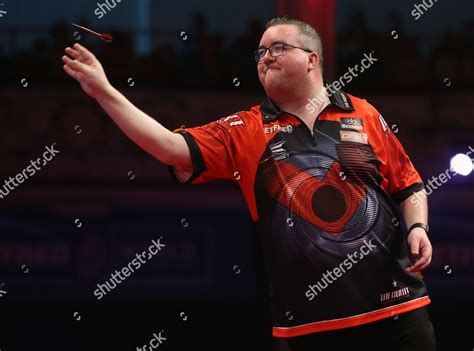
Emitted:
<point x="168" y="147"/>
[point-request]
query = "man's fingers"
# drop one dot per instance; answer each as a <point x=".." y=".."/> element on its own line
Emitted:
<point x="83" y="56"/>
<point x="427" y="253"/>
<point x="68" y="62"/>
<point x="415" y="247"/>
<point x="72" y="52"/>
<point x="423" y="260"/>
<point x="419" y="264"/>
<point x="80" y="47"/>
<point x="84" y="51"/>
<point x="75" y="64"/>
<point x="74" y="74"/>
<point x="426" y="264"/>
<point x="426" y="248"/>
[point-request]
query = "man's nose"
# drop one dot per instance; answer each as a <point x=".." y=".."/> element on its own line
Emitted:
<point x="267" y="57"/>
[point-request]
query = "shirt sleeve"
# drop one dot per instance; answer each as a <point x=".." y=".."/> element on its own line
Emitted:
<point x="213" y="152"/>
<point x="228" y="148"/>
<point x="400" y="179"/>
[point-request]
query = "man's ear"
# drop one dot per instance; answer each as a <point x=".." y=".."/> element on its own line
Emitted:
<point x="313" y="61"/>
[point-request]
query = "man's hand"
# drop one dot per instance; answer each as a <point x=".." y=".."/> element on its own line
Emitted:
<point x="86" y="69"/>
<point x="420" y="249"/>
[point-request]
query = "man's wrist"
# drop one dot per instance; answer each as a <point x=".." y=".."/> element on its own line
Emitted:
<point x="105" y="93"/>
<point x="423" y="226"/>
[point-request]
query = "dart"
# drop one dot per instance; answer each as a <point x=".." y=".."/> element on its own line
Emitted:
<point x="105" y="37"/>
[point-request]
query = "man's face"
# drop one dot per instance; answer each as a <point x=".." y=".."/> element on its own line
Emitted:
<point x="281" y="74"/>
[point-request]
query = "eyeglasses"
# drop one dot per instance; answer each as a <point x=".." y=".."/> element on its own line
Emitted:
<point x="276" y="50"/>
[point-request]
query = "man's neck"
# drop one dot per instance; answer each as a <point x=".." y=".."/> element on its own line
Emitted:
<point x="298" y="105"/>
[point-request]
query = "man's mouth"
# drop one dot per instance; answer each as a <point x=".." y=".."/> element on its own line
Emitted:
<point x="269" y="68"/>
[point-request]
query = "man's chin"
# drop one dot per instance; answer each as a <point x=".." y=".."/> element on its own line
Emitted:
<point x="273" y="86"/>
<point x="272" y="72"/>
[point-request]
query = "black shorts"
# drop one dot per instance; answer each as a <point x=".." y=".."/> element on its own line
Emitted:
<point x="407" y="332"/>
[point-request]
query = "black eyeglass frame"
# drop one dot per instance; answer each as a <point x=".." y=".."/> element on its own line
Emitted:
<point x="259" y="56"/>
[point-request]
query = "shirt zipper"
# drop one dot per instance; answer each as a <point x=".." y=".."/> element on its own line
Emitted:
<point x="314" y="125"/>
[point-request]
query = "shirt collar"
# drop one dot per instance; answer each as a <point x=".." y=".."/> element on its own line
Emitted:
<point x="270" y="111"/>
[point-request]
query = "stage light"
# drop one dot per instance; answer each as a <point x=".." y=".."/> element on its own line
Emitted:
<point x="461" y="164"/>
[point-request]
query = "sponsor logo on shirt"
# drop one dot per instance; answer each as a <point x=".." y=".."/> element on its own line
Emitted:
<point x="394" y="295"/>
<point x="279" y="152"/>
<point x="355" y="137"/>
<point x="277" y="128"/>
<point x="352" y="123"/>
<point x="385" y="127"/>
<point x="232" y="121"/>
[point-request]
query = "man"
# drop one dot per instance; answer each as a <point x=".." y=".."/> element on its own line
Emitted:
<point x="322" y="182"/>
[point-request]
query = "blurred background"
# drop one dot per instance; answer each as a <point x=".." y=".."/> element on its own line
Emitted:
<point x="102" y="199"/>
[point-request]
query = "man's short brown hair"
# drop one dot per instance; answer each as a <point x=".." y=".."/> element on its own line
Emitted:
<point x="308" y="35"/>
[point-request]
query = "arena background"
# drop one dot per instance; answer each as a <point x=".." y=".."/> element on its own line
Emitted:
<point x="102" y="199"/>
